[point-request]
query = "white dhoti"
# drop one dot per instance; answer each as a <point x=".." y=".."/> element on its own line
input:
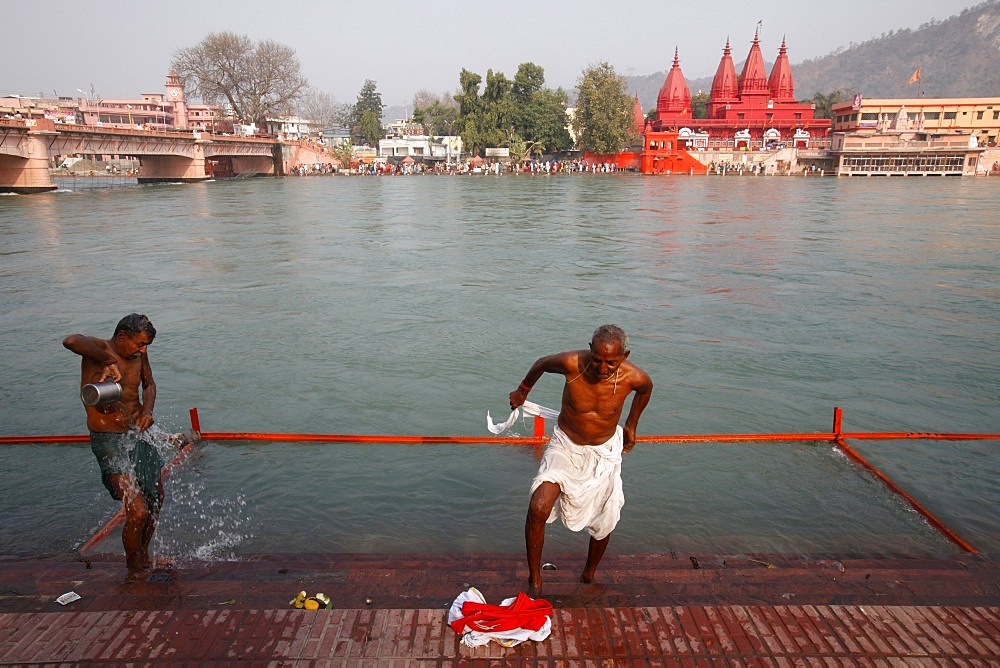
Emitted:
<point x="590" y="480"/>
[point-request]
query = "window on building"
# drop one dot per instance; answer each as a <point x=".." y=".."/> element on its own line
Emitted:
<point x="869" y="116"/>
<point x="979" y="116"/>
<point x="932" y="115"/>
<point x="950" y="115"/>
<point x="740" y="115"/>
<point x="996" y="115"/>
<point x="798" y="116"/>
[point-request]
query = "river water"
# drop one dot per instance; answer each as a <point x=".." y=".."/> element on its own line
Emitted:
<point x="412" y="305"/>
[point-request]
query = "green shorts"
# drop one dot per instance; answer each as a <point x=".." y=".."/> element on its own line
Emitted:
<point x="128" y="454"/>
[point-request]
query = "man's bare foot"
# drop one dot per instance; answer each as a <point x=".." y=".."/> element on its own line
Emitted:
<point x="586" y="579"/>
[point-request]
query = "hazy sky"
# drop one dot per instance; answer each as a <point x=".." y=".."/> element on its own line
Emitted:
<point x="123" y="48"/>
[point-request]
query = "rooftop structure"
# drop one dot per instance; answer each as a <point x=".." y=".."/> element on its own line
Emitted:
<point x="978" y="116"/>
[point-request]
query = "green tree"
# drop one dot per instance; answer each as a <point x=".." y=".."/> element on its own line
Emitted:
<point x="369" y="99"/>
<point x="256" y="80"/>
<point x="520" y="113"/>
<point x="496" y="120"/>
<point x="540" y="112"/>
<point x="543" y="120"/>
<point x="603" y="121"/>
<point x="436" y="113"/>
<point x="699" y="105"/>
<point x="468" y="99"/>
<point x="343" y="154"/>
<point x="370" y="128"/>
<point x="530" y="79"/>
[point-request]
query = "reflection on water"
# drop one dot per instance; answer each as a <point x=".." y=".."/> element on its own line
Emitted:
<point x="414" y="305"/>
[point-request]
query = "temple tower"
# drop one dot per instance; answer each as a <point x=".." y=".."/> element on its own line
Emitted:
<point x="753" y="89"/>
<point x="725" y="90"/>
<point x="674" y="100"/>
<point x="781" y="84"/>
<point x="640" y="118"/>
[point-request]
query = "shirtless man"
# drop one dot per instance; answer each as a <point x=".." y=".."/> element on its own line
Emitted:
<point x="130" y="465"/>
<point x="579" y="479"/>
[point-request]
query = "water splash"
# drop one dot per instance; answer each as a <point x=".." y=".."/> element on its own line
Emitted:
<point x="194" y="522"/>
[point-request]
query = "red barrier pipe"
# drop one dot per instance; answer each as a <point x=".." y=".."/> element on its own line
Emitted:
<point x="733" y="438"/>
<point x="16" y="440"/>
<point x="195" y="421"/>
<point x="119" y="516"/>
<point x="535" y="440"/>
<point x="911" y="435"/>
<point x="367" y="438"/>
<point x="928" y="515"/>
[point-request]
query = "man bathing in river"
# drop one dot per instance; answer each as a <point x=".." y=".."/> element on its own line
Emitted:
<point x="579" y="479"/>
<point x="130" y="464"/>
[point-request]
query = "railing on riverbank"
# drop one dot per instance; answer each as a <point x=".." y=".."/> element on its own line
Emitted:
<point x="836" y="436"/>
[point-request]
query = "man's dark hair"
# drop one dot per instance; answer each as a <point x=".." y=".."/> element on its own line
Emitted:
<point x="134" y="323"/>
<point x="611" y="334"/>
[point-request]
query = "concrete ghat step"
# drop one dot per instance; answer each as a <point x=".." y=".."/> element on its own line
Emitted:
<point x="421" y="581"/>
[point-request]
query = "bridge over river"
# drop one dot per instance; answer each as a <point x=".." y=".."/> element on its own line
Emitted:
<point x="27" y="149"/>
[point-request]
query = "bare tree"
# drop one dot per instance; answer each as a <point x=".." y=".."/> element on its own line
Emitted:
<point x="254" y="80"/>
<point x="318" y="106"/>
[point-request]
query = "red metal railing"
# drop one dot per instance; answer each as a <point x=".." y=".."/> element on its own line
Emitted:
<point x="836" y="436"/>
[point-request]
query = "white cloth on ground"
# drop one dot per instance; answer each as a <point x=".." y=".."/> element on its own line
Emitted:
<point x="506" y="638"/>
<point x="590" y="480"/>
<point x="529" y="408"/>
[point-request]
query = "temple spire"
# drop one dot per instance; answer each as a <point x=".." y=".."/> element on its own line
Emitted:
<point x="781" y="83"/>
<point x="674" y="100"/>
<point x="754" y="76"/>
<point x="640" y="118"/>
<point x="724" y="86"/>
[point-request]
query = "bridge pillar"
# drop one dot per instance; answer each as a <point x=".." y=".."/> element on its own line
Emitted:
<point x="173" y="168"/>
<point x="27" y="173"/>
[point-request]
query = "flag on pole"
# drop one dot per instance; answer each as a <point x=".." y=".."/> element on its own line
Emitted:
<point x="915" y="77"/>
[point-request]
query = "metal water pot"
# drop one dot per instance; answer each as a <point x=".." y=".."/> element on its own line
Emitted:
<point x="99" y="394"/>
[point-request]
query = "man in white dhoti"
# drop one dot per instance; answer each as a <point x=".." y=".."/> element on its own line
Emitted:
<point x="579" y="479"/>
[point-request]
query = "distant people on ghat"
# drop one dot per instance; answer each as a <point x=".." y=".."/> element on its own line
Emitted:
<point x="579" y="479"/>
<point x="130" y="464"/>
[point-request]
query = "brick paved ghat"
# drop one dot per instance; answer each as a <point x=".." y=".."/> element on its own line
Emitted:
<point x="390" y="610"/>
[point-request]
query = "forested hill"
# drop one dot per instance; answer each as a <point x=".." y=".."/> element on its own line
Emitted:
<point x="958" y="57"/>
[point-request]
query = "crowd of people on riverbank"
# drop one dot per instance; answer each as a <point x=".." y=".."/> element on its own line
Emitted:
<point x="474" y="166"/>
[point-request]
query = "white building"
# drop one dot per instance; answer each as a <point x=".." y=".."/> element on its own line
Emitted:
<point x="442" y="147"/>
<point x="290" y="127"/>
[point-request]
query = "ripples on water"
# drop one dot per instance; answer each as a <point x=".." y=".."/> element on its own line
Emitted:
<point x="413" y="305"/>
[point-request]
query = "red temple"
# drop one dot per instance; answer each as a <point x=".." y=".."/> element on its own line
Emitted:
<point x="751" y="112"/>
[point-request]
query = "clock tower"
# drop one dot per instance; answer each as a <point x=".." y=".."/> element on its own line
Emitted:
<point x="175" y="98"/>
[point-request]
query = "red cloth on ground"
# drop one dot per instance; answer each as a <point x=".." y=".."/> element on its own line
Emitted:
<point x="523" y="613"/>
